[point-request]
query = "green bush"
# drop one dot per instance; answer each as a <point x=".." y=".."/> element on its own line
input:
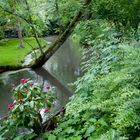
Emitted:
<point x="107" y="100"/>
<point x="25" y="111"/>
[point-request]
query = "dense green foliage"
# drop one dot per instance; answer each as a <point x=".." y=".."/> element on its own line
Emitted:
<point x="106" y="105"/>
<point x="121" y="12"/>
<point x="25" y="110"/>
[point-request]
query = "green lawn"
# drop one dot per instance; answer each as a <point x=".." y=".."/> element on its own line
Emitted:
<point x="11" y="55"/>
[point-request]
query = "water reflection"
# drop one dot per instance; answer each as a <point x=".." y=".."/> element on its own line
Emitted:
<point x="65" y="63"/>
<point x="63" y="67"/>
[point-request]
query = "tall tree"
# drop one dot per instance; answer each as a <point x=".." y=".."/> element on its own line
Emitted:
<point x="13" y="5"/>
<point x="22" y="10"/>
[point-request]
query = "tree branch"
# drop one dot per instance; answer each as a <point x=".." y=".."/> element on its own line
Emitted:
<point x="14" y="14"/>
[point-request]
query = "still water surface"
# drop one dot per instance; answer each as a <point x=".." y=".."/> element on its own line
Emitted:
<point x="62" y="68"/>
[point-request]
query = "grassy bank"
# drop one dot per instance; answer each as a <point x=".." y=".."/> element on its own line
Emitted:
<point x="11" y="54"/>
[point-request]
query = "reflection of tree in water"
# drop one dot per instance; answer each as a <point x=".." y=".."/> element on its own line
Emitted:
<point x="5" y="97"/>
<point x="65" y="64"/>
<point x="10" y="78"/>
<point x="62" y="93"/>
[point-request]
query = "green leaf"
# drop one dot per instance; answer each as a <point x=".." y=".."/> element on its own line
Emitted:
<point x="25" y="136"/>
<point x="19" y="137"/>
<point x="102" y="122"/>
<point x="32" y="103"/>
<point x="52" y="137"/>
<point x="30" y="136"/>
<point x="21" y="107"/>
<point x="15" y="107"/>
<point x="29" y="94"/>
<point x="69" y="130"/>
<point x="49" y="136"/>
<point x="90" y="130"/>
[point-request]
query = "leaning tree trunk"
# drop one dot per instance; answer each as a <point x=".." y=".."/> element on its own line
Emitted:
<point x="62" y="37"/>
<point x="20" y="36"/>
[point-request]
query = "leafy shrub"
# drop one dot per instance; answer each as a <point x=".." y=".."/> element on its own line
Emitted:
<point x="25" y="110"/>
<point x="107" y="100"/>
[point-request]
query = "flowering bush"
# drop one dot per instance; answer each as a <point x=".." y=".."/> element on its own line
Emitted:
<point x="25" y="110"/>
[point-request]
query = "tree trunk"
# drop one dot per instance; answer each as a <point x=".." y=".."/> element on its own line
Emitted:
<point x="61" y="39"/>
<point x="20" y="36"/>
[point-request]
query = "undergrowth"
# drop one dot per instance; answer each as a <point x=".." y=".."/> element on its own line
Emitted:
<point x="106" y="105"/>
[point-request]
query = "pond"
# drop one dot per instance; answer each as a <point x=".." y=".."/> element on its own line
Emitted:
<point x="60" y="70"/>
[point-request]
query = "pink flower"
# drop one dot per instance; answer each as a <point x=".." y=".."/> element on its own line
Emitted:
<point x="25" y="89"/>
<point x="20" y="101"/>
<point x="11" y="106"/>
<point x="31" y="84"/>
<point x="23" y="81"/>
<point x="46" y="110"/>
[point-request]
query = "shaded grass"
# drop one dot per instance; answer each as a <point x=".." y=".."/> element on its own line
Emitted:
<point x="12" y="55"/>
